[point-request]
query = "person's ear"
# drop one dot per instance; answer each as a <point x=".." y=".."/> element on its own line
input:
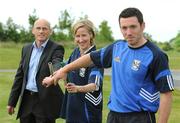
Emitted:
<point x="33" y="31"/>
<point x="143" y="26"/>
<point x="50" y="31"/>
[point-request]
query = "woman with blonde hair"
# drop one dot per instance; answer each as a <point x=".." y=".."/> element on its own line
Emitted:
<point x="83" y="99"/>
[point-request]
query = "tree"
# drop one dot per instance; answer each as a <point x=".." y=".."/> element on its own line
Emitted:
<point x="166" y="46"/>
<point x="64" y="26"/>
<point x="176" y="42"/>
<point x="25" y="35"/>
<point x="32" y="18"/>
<point x="83" y="17"/>
<point x="149" y="37"/>
<point x="2" y="32"/>
<point x="12" y="30"/>
<point x="105" y="33"/>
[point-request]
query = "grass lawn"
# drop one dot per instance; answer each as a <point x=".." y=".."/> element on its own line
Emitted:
<point x="174" y="59"/>
<point x="9" y="59"/>
<point x="10" y="55"/>
<point x="6" y="83"/>
<point x="6" y="80"/>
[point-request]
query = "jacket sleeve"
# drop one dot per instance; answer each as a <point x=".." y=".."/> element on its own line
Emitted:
<point x="17" y="84"/>
<point x="57" y="57"/>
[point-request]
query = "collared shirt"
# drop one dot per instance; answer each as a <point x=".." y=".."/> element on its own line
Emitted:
<point x="33" y="66"/>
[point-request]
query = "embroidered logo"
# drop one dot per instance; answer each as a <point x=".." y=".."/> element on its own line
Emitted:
<point x="117" y="59"/>
<point x="82" y="72"/>
<point x="135" y="65"/>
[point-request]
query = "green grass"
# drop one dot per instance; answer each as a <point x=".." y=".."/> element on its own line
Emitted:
<point x="10" y="54"/>
<point x="9" y="59"/>
<point x="6" y="80"/>
<point x="174" y="59"/>
<point x="5" y="83"/>
<point x="175" y="113"/>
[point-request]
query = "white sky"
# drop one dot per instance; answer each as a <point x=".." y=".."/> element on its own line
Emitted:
<point x="162" y="17"/>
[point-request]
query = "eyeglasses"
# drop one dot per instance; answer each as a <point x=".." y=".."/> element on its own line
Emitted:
<point x="42" y="28"/>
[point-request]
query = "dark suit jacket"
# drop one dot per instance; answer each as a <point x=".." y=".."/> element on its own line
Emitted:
<point x="49" y="98"/>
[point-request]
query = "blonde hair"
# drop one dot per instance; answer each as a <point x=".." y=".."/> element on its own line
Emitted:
<point x="86" y="24"/>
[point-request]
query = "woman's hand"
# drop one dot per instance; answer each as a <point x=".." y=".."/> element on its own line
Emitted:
<point x="71" y="88"/>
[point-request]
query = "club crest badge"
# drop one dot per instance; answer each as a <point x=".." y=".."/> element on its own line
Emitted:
<point x="136" y="65"/>
<point x="82" y="72"/>
<point x="117" y="59"/>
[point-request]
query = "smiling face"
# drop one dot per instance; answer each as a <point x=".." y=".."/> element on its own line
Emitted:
<point x="41" y="31"/>
<point x="132" y="31"/>
<point x="83" y="38"/>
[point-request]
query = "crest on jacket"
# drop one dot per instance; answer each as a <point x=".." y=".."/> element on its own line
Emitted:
<point x="82" y="72"/>
<point x="135" y="65"/>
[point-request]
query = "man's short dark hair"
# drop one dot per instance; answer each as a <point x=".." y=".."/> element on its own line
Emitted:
<point x="132" y="12"/>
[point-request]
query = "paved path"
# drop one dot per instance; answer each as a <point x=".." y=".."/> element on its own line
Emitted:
<point x="175" y="73"/>
<point x="7" y="70"/>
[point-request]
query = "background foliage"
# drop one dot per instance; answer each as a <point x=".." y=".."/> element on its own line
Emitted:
<point x="62" y="31"/>
<point x="14" y="36"/>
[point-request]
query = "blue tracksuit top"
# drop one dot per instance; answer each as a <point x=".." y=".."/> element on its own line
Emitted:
<point x="138" y="75"/>
<point x="84" y="107"/>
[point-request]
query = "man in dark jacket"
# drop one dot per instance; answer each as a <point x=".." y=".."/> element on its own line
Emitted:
<point x="37" y="103"/>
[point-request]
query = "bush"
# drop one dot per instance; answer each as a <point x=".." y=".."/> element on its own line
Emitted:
<point x="166" y="46"/>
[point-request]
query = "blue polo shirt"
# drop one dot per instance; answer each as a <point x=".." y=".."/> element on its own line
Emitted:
<point x="138" y="75"/>
<point x="84" y="107"/>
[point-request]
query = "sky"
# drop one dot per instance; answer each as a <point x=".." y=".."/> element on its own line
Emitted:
<point x="161" y="16"/>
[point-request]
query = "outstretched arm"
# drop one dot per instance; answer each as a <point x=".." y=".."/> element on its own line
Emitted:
<point x="83" y="61"/>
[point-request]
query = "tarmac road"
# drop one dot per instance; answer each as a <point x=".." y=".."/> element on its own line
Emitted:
<point x="175" y="73"/>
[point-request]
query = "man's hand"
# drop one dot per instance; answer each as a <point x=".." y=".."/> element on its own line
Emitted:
<point x="10" y="110"/>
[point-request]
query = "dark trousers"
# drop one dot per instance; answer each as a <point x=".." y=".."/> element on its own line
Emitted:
<point x="133" y="117"/>
<point x="31" y="109"/>
<point x="31" y="118"/>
